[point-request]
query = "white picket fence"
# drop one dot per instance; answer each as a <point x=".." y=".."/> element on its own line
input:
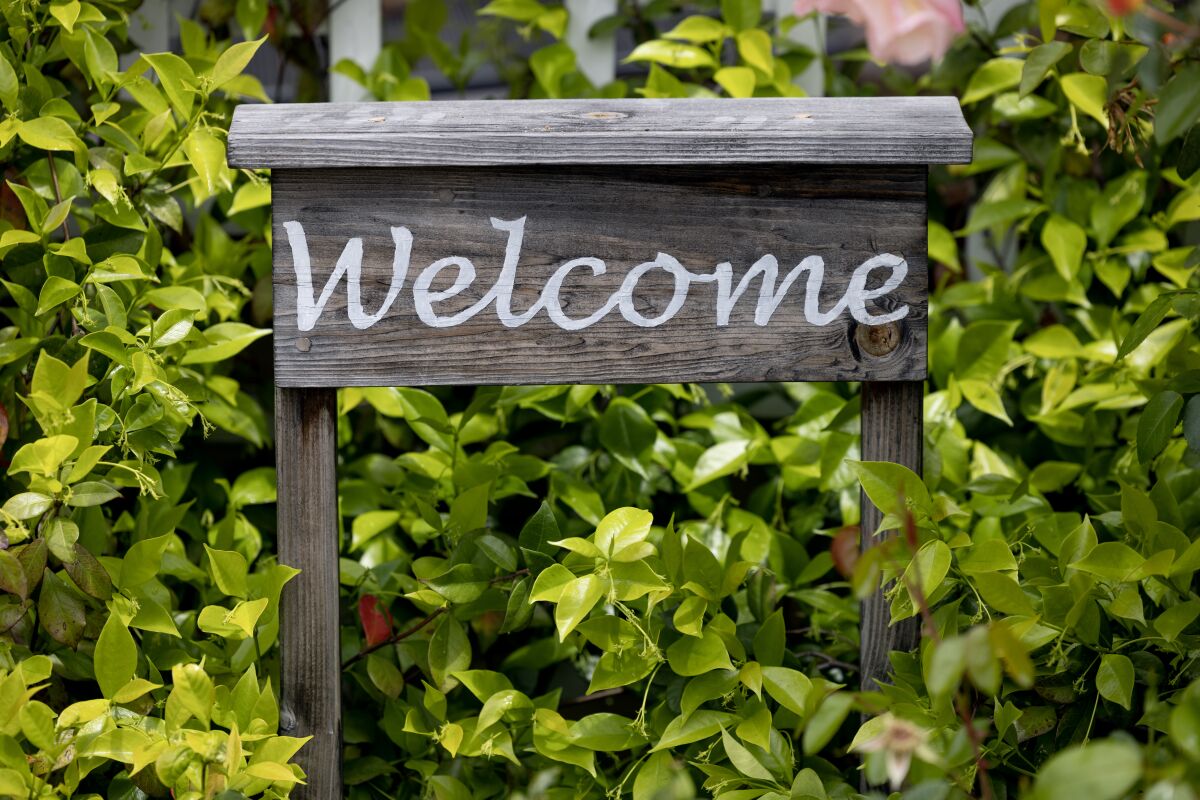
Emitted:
<point x="356" y="33"/>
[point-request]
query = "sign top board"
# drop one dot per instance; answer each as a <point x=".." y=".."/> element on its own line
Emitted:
<point x="834" y="130"/>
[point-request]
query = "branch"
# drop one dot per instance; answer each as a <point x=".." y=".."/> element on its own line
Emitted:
<point x="393" y="639"/>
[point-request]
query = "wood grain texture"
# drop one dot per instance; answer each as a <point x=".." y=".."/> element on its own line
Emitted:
<point x="309" y="636"/>
<point x="866" y="130"/>
<point x="844" y="214"/>
<point x="892" y="430"/>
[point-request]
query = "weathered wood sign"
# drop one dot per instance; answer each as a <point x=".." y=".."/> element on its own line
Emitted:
<point x="540" y="275"/>
<point x="633" y="241"/>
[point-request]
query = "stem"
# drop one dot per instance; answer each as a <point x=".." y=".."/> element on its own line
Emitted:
<point x="1168" y="21"/>
<point x="394" y="638"/>
<point x="981" y="769"/>
<point x="58" y="196"/>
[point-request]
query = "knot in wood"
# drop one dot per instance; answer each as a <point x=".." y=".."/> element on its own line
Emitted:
<point x="877" y="340"/>
<point x="604" y="115"/>
<point x="304" y="344"/>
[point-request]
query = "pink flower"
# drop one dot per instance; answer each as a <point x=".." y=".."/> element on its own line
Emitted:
<point x="898" y="31"/>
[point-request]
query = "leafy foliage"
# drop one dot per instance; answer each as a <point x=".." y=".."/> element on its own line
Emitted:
<point x="133" y="622"/>
<point x="585" y="591"/>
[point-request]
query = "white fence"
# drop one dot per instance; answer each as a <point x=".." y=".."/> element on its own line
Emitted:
<point x="355" y="32"/>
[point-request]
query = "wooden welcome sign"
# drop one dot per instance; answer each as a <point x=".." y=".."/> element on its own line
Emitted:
<point x="547" y="242"/>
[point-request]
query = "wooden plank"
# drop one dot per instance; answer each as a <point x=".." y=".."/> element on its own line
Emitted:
<point x="309" y="636"/>
<point x="874" y="130"/>
<point x="800" y="216"/>
<point x="892" y="430"/>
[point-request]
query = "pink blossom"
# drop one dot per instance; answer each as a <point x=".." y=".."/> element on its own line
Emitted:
<point x="898" y="31"/>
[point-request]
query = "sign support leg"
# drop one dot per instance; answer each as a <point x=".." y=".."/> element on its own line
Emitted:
<point x="892" y="430"/>
<point x="309" y="637"/>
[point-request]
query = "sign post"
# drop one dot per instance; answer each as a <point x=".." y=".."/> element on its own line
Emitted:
<point x="590" y="241"/>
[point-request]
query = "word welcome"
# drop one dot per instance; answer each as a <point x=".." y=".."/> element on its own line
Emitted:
<point x="771" y="291"/>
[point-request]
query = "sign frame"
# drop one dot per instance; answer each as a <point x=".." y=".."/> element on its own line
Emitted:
<point x="765" y="146"/>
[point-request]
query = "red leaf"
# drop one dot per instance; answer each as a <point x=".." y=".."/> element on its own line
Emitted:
<point x="376" y="621"/>
<point x="3" y="424"/>
<point x="845" y="550"/>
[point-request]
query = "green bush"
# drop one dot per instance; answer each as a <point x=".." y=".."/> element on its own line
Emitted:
<point x="598" y="591"/>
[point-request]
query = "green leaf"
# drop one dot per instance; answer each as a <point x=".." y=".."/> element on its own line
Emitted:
<point x="992" y="77"/>
<point x="44" y="456"/>
<point x="91" y="493"/>
<point x="1191" y="423"/>
<point x="49" y="133"/>
<point x="622" y="528"/>
<point x="928" y="569"/>
<point x="699" y="29"/>
<point x="1175" y="620"/>
<point x="1178" y="105"/>
<point x="550" y="65"/>
<point x="142" y="561"/>
<point x="672" y="54"/>
<point x="171" y="327"/>
<point x="1118" y="205"/>
<point x="9" y="87"/>
<point x="1184" y="723"/>
<point x="233" y="61"/>
<point x="385" y="675"/>
<point x="115" y="656"/>
<point x="754" y="46"/>
<point x="743" y="760"/>
<point x="942" y="246"/>
<point x="541" y="529"/>
<point x="12" y="575"/>
<point x="626" y="428"/>
<point x="577" y="600"/>
<point x="228" y="569"/>
<point x="736" y="81"/>
<point x="1113" y="60"/>
<point x="699" y="725"/>
<point x="1065" y="242"/>
<point x="1099" y="770"/>
<point x="61" y="536"/>
<point x="983" y="351"/>
<point x="517" y="10"/>
<point x="656" y="772"/>
<point x="27" y="505"/>
<point x="720" y="460"/>
<point x="691" y="656"/>
<point x="449" y="652"/>
<point x="1146" y="323"/>
<point x="787" y="687"/>
<point x="1189" y="154"/>
<point x="55" y="292"/>
<point x="206" y="153"/>
<point x="224" y="340"/>
<point x="826" y="721"/>
<point x="89" y="575"/>
<point x="193" y="690"/>
<point x="893" y="488"/>
<point x="1157" y="423"/>
<point x="1039" y="62"/>
<point x="1114" y="679"/>
<point x="60" y="610"/>
<point x="177" y="79"/>
<point x="741" y="14"/>
<point x="1088" y="93"/>
<point x="1113" y="561"/>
